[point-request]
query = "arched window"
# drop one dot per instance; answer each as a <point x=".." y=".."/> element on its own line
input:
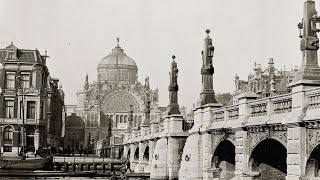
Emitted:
<point x="7" y="135"/>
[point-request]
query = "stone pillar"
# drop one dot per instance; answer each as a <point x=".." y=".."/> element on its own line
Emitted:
<point x="141" y="152"/>
<point x="159" y="166"/>
<point x="207" y="94"/>
<point x="207" y="156"/>
<point x="174" y="158"/>
<point x="296" y="152"/>
<point x="191" y="160"/>
<point x="242" y="154"/>
<point x="309" y="46"/>
<point x="132" y="149"/>
<point x="126" y="148"/>
<point x="151" y="150"/>
<point x="173" y="88"/>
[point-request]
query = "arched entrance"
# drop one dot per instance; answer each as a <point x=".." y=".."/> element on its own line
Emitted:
<point x="223" y="160"/>
<point x="269" y="157"/>
<point x="136" y="154"/>
<point x="146" y="154"/>
<point x="313" y="167"/>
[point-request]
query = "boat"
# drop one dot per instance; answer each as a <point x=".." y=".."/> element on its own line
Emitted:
<point x="26" y="164"/>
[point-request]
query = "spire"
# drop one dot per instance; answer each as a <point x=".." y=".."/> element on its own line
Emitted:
<point x="86" y="85"/>
<point x="207" y="94"/>
<point x="173" y="107"/>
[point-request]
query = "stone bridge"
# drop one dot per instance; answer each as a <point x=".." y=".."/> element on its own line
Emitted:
<point x="272" y="137"/>
<point x="277" y="137"/>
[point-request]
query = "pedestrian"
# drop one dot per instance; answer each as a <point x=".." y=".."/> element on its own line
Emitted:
<point x="128" y="165"/>
<point x="80" y="151"/>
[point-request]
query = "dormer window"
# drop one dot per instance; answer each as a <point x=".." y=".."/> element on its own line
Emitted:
<point x="11" y="56"/>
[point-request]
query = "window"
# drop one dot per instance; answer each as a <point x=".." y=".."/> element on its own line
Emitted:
<point x="7" y="133"/>
<point x="25" y="80"/>
<point x="31" y="109"/>
<point x="10" y="79"/>
<point x="41" y="110"/>
<point x="11" y="55"/>
<point x="9" y="108"/>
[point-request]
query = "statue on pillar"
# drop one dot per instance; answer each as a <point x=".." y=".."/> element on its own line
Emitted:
<point x="207" y="95"/>
<point x="173" y="107"/>
<point x="130" y="119"/>
<point x="309" y="45"/>
<point x="147" y="104"/>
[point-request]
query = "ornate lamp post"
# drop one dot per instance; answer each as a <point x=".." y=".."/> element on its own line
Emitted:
<point x="18" y="78"/>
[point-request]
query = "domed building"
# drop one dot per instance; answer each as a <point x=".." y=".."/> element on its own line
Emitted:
<point x="104" y="104"/>
<point x="117" y="67"/>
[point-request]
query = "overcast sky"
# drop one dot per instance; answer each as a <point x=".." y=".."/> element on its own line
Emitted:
<point x="78" y="33"/>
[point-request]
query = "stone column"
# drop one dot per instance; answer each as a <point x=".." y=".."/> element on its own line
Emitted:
<point x="296" y="152"/>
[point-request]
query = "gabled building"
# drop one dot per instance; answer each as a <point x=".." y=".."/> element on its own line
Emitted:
<point x="32" y="110"/>
<point x="265" y="82"/>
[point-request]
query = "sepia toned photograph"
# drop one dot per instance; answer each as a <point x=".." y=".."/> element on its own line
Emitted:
<point x="159" y="90"/>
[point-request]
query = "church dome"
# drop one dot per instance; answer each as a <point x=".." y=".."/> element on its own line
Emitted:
<point x="117" y="57"/>
<point x="117" y="67"/>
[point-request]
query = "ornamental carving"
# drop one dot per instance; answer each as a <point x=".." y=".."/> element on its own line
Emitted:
<point x="282" y="135"/>
<point x="255" y="138"/>
<point x="313" y="139"/>
<point x="220" y="135"/>
<point x="120" y="102"/>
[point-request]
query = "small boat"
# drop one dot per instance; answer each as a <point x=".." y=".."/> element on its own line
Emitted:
<point x="27" y="164"/>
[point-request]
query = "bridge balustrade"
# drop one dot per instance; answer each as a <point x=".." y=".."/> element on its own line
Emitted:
<point x="218" y="115"/>
<point x="313" y="98"/>
<point x="233" y="112"/>
<point x="258" y="108"/>
<point x="282" y="104"/>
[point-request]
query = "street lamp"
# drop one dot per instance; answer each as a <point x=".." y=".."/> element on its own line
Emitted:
<point x="18" y="78"/>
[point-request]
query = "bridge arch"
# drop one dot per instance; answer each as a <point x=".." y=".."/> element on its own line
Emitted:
<point x="223" y="159"/>
<point x="136" y="154"/>
<point x="269" y="157"/>
<point x="313" y="167"/>
<point x="146" y="154"/>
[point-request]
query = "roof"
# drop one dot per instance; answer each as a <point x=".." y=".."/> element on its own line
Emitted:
<point x="74" y="121"/>
<point x="24" y="55"/>
<point x="117" y="57"/>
